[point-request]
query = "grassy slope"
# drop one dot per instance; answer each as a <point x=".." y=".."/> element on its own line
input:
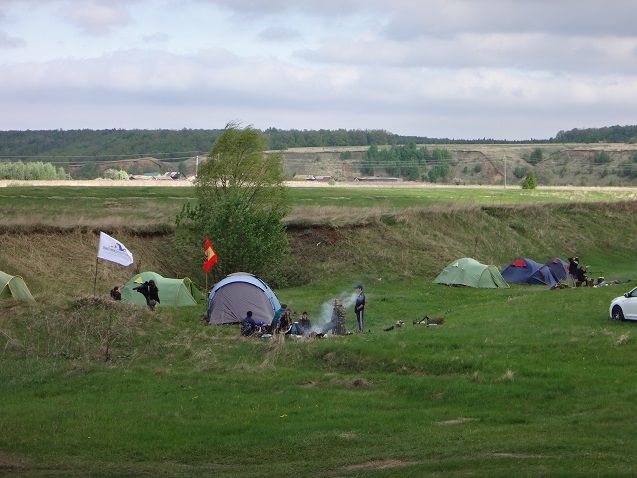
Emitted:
<point x="543" y="376"/>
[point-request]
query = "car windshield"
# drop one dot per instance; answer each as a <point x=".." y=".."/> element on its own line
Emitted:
<point x="633" y="293"/>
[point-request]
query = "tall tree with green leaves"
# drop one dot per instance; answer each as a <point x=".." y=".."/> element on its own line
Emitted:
<point x="241" y="202"/>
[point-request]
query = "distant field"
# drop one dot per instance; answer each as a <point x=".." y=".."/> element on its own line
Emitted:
<point x="146" y="205"/>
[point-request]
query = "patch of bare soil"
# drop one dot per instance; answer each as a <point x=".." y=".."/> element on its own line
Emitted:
<point x="8" y="461"/>
<point x="310" y="384"/>
<point x="378" y="465"/>
<point x="456" y="421"/>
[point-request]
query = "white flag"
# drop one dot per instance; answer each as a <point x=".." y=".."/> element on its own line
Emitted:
<point x="114" y="251"/>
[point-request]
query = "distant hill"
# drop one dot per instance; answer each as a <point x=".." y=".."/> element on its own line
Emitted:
<point x="176" y="145"/>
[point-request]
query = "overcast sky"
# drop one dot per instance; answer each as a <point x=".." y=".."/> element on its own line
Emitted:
<point x="510" y="69"/>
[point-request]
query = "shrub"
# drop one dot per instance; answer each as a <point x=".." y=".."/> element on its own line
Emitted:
<point x="536" y="156"/>
<point x="530" y="182"/>
<point x="601" y="157"/>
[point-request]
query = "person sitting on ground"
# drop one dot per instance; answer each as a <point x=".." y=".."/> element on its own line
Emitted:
<point x="116" y="294"/>
<point x="581" y="276"/>
<point x="305" y="323"/>
<point x="274" y="325"/>
<point x="248" y="325"/>
<point x="150" y="292"/>
<point x="286" y="322"/>
<point x="295" y="329"/>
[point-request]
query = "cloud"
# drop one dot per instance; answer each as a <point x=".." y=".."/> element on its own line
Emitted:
<point x="136" y="80"/>
<point x="156" y="38"/>
<point x="7" y="41"/>
<point x="525" y="52"/>
<point x="97" y="18"/>
<point x="279" y="34"/>
<point x="411" y="17"/>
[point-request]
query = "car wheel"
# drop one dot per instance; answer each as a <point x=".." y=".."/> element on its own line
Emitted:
<point x="618" y="314"/>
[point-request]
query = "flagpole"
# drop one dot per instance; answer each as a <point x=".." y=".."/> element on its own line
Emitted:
<point x="95" y="278"/>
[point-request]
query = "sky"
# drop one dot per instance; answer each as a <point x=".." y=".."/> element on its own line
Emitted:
<point x="505" y="69"/>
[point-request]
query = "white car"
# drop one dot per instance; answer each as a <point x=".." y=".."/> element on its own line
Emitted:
<point x="624" y="307"/>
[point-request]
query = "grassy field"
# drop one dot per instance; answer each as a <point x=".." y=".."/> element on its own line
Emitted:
<point x="151" y="206"/>
<point x="524" y="381"/>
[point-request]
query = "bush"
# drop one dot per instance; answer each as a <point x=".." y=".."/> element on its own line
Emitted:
<point x="601" y="157"/>
<point x="536" y="156"/>
<point x="520" y="171"/>
<point x="530" y="182"/>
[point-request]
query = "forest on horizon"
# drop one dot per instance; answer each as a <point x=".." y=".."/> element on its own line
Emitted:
<point x="175" y="145"/>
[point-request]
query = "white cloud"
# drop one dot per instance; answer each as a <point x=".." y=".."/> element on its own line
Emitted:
<point x="7" y="41"/>
<point x="97" y="18"/>
<point x="499" y="68"/>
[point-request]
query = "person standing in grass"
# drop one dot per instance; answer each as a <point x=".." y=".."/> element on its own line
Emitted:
<point x="359" y="308"/>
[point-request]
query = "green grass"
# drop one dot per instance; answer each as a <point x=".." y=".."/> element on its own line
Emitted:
<point x="544" y="378"/>
<point x="523" y="381"/>
<point x="68" y="207"/>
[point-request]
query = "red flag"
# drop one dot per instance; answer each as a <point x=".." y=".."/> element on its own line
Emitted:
<point x="211" y="255"/>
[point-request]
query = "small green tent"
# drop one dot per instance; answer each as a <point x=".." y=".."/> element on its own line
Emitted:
<point x="469" y="272"/>
<point x="14" y="287"/>
<point x="172" y="292"/>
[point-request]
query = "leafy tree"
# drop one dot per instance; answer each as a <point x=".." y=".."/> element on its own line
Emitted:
<point x="241" y="201"/>
<point x="536" y="156"/>
<point x="34" y="170"/>
<point x="530" y="182"/>
<point x="520" y="171"/>
<point x="601" y="157"/>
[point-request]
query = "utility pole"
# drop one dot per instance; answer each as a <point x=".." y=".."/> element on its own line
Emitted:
<point x="505" y="172"/>
<point x="196" y="165"/>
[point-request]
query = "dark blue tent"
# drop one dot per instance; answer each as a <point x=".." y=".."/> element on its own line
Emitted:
<point x="526" y="271"/>
<point x="558" y="267"/>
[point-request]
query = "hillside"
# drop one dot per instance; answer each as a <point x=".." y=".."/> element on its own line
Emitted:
<point x="415" y="243"/>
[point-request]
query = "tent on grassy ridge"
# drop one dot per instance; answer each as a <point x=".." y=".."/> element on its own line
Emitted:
<point x="172" y="292"/>
<point x="558" y="267"/>
<point x="527" y="271"/>
<point x="469" y="272"/>
<point x="231" y="298"/>
<point x="14" y="287"/>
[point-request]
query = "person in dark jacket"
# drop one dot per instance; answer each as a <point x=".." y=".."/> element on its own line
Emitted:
<point x="305" y="324"/>
<point x="359" y="308"/>
<point x="248" y="325"/>
<point x="116" y="294"/>
<point x="275" y="324"/>
<point x="150" y="291"/>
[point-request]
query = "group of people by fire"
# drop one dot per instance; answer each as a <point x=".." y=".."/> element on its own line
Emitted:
<point x="286" y="322"/>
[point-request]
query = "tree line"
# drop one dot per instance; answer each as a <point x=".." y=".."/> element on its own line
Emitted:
<point x="31" y="171"/>
<point x="606" y="134"/>
<point x="175" y="145"/>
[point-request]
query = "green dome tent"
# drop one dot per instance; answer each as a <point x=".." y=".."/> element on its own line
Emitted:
<point x="469" y="272"/>
<point x="172" y="292"/>
<point x="14" y="287"/>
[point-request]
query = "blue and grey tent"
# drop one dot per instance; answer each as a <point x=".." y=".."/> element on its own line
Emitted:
<point x="527" y="271"/>
<point x="558" y="267"/>
<point x="231" y="298"/>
